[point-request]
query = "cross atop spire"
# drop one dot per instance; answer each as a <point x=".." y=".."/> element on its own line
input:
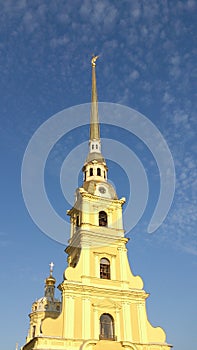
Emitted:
<point x="51" y="268"/>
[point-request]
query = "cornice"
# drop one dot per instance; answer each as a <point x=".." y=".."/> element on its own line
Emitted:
<point x="39" y="340"/>
<point x="133" y="345"/>
<point x="104" y="253"/>
<point x="95" y="236"/>
<point x="93" y="197"/>
<point x="78" y="289"/>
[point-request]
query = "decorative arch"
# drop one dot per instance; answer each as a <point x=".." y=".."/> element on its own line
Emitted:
<point x="128" y="345"/>
<point x="87" y="344"/>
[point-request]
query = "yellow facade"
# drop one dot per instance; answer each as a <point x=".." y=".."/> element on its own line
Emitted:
<point x="103" y="304"/>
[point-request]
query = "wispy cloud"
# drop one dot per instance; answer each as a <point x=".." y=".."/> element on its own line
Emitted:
<point x="147" y="59"/>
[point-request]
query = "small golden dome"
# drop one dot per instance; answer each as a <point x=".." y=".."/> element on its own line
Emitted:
<point x="50" y="280"/>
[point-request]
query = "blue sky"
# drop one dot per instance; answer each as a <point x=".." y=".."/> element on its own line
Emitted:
<point x="147" y="62"/>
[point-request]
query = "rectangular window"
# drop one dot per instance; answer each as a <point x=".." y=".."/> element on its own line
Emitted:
<point x="77" y="220"/>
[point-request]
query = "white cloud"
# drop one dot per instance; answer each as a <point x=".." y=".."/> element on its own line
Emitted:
<point x="145" y="47"/>
<point x="10" y="6"/>
<point x="168" y="98"/>
<point x="59" y="41"/>
<point x="180" y="117"/>
<point x="134" y="75"/>
<point x="101" y="13"/>
<point x="191" y="4"/>
<point x="29" y="21"/>
<point x="135" y="9"/>
<point x="180" y="225"/>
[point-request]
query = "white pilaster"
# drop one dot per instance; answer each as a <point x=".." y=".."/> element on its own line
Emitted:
<point x="96" y="324"/>
<point x="113" y="268"/>
<point x="86" y="324"/>
<point x="97" y="266"/>
<point x="117" y="325"/>
<point x="123" y="274"/>
<point x="68" y="331"/>
<point x="142" y="322"/>
<point x="110" y="223"/>
<point x="86" y="261"/>
<point x="127" y="321"/>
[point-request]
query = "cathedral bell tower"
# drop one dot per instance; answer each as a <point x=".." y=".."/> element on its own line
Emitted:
<point x="103" y="304"/>
<point x="96" y="218"/>
<point x="46" y="306"/>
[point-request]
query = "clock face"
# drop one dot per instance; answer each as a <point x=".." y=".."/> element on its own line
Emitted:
<point x="102" y="189"/>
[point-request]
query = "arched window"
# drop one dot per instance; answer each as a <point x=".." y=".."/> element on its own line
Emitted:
<point x="105" y="268"/>
<point x="107" y="327"/>
<point x="98" y="172"/>
<point x="91" y="171"/>
<point x="102" y="218"/>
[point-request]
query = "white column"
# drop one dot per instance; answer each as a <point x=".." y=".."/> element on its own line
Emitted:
<point x="109" y="219"/>
<point x="142" y="322"/>
<point x="97" y="266"/>
<point x="68" y="331"/>
<point x="71" y="227"/>
<point x="117" y="325"/>
<point x="123" y="272"/>
<point x="85" y="212"/>
<point x="86" y="261"/>
<point x="86" y="324"/>
<point x="127" y="322"/>
<point x="96" y="324"/>
<point x="113" y="268"/>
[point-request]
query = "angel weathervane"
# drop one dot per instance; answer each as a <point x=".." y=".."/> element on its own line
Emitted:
<point x="93" y="60"/>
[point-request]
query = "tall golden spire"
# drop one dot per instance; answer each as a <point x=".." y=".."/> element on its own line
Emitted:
<point x="94" y="141"/>
<point x="94" y="120"/>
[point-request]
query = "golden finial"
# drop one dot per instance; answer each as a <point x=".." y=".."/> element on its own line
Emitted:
<point x="93" y="60"/>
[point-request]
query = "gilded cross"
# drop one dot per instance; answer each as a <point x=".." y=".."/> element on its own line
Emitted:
<point x="51" y="268"/>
